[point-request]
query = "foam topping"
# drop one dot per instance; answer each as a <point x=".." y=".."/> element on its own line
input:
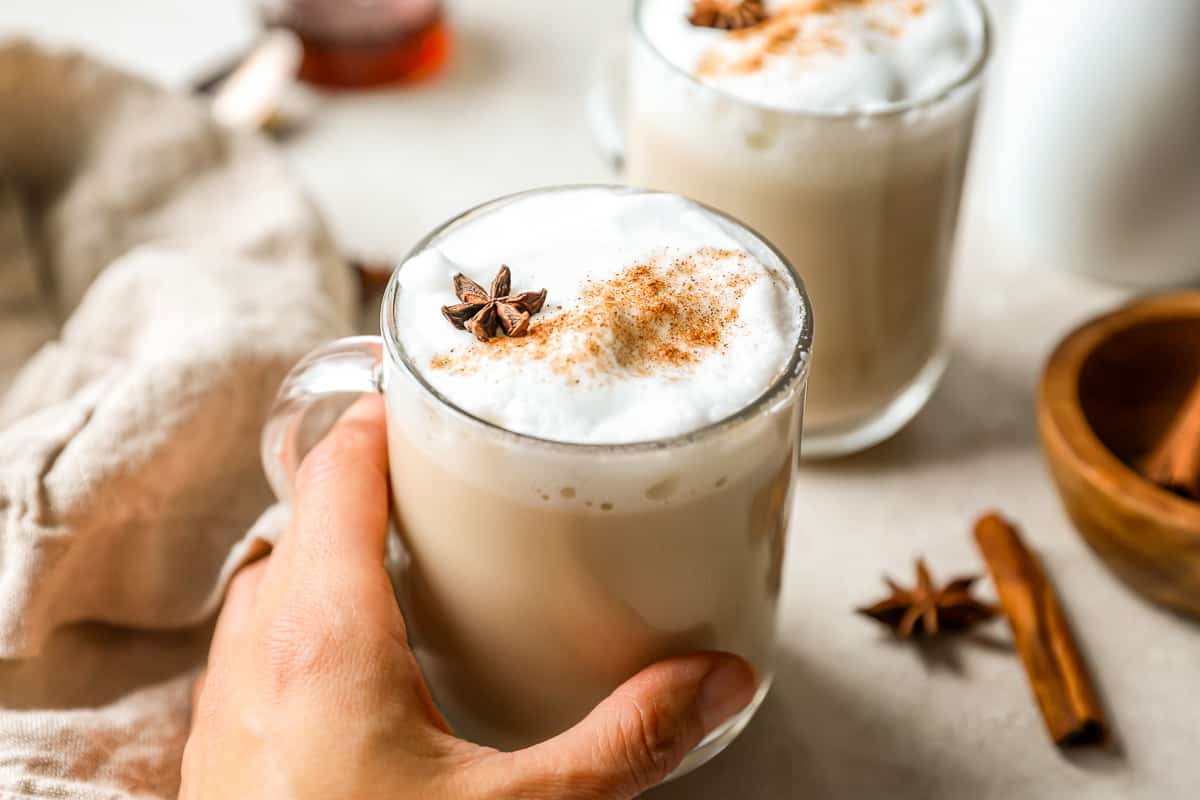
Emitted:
<point x="826" y="55"/>
<point x="658" y="321"/>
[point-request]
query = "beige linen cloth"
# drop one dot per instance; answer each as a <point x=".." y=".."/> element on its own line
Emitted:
<point x="158" y="277"/>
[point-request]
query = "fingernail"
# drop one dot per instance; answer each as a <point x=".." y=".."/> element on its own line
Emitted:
<point x="724" y="692"/>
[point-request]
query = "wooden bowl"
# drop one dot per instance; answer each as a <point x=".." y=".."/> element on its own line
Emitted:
<point x="1108" y="393"/>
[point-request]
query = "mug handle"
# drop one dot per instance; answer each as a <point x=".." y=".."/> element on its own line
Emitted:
<point x="606" y="102"/>
<point x="345" y="366"/>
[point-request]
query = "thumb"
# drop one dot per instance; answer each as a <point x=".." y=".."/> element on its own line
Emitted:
<point x="638" y="735"/>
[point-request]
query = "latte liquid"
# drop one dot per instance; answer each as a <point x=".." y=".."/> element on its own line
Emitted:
<point x="531" y="598"/>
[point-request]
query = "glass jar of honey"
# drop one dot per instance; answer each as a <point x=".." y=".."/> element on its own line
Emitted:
<point x="363" y="43"/>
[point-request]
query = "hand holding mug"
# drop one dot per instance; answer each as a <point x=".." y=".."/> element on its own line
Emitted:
<point x="312" y="690"/>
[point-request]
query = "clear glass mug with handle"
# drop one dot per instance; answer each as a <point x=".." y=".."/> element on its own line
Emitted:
<point x="863" y="203"/>
<point x="542" y="574"/>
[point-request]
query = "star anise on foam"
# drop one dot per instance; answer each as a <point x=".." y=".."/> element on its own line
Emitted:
<point x="927" y="610"/>
<point x="728" y="15"/>
<point x="482" y="311"/>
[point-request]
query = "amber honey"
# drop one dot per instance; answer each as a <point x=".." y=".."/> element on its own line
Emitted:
<point x="365" y="44"/>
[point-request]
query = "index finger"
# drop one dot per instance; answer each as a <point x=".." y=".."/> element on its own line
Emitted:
<point x="340" y="506"/>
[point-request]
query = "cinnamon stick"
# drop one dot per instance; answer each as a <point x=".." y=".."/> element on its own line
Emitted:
<point x="1056" y="671"/>
<point x="1174" y="463"/>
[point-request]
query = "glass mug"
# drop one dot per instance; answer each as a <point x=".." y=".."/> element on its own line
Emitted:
<point x="864" y="204"/>
<point x="540" y="575"/>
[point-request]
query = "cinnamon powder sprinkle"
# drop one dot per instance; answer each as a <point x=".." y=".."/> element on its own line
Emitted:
<point x="803" y="29"/>
<point x="657" y="317"/>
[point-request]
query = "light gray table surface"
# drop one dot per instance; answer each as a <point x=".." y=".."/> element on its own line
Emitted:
<point x="852" y="714"/>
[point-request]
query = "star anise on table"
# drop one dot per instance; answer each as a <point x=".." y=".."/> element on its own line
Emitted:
<point x="482" y="311"/>
<point x="728" y="15"/>
<point x="928" y="610"/>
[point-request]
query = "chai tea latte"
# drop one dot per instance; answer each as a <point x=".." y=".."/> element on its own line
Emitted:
<point x="610" y="489"/>
<point x="839" y="129"/>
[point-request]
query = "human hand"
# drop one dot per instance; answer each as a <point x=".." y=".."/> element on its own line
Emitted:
<point x="312" y="691"/>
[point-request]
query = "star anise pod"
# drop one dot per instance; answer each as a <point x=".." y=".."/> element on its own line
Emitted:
<point x="927" y="610"/>
<point x="482" y="311"/>
<point x="728" y="15"/>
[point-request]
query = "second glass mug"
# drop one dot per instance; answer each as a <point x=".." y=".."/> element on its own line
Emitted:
<point x="863" y="203"/>
<point x="540" y="575"/>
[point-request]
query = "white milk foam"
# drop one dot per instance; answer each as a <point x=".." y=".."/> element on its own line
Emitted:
<point x="575" y="379"/>
<point x="828" y="55"/>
